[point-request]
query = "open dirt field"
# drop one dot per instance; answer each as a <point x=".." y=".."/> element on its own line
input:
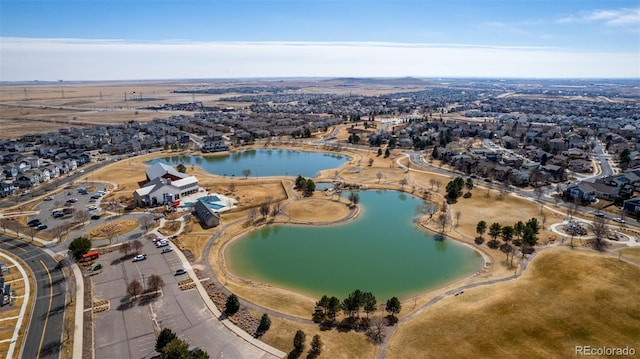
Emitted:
<point x="46" y="107"/>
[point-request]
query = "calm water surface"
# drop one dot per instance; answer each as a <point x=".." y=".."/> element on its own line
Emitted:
<point x="381" y="251"/>
<point x="261" y="162"/>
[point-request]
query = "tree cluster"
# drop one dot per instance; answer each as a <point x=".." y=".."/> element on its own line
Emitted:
<point x="454" y="189"/>
<point x="328" y="308"/>
<point x="526" y="234"/>
<point x="307" y="186"/>
<point x="79" y="247"/>
<point x="171" y="347"/>
<point x="299" y="343"/>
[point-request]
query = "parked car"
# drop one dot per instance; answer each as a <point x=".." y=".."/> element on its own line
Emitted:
<point x="48" y="198"/>
<point x="72" y="200"/>
<point x="34" y="222"/>
<point x="180" y="272"/>
<point x="167" y="250"/>
<point x="95" y="216"/>
<point x="139" y="257"/>
<point x="41" y="227"/>
<point x="160" y="244"/>
<point x="618" y="219"/>
<point x="57" y="214"/>
<point x="92" y="208"/>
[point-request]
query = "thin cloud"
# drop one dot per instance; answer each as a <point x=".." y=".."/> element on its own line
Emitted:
<point x="617" y="17"/>
<point x="78" y="59"/>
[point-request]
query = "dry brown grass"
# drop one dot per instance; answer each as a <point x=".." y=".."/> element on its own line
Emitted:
<point x="112" y="229"/>
<point x="169" y="228"/>
<point x="336" y="345"/>
<point x="317" y="210"/>
<point x="195" y="243"/>
<point x="566" y="298"/>
<point x="631" y="252"/>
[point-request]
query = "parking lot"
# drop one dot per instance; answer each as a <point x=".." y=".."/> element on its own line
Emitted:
<point x="126" y="330"/>
<point x="70" y="198"/>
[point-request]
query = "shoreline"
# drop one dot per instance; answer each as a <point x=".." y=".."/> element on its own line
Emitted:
<point x="447" y="282"/>
<point x="489" y="271"/>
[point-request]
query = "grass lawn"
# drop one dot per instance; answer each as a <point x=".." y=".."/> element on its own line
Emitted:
<point x="336" y="345"/>
<point x="113" y="229"/>
<point x="566" y="298"/>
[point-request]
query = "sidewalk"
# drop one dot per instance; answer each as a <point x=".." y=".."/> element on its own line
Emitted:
<point x="23" y="308"/>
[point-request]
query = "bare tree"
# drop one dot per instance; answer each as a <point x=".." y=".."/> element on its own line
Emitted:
<point x="134" y="288"/>
<point x="147" y="221"/>
<point x="155" y="282"/>
<point x="125" y="248"/>
<point x="432" y="182"/>
<point x="81" y="216"/>
<point x="246" y="173"/>
<point x="4" y="222"/>
<point x="379" y="175"/>
<point x="232" y="187"/>
<point x="442" y="222"/>
<point x="136" y="245"/>
<point x="538" y="192"/>
<point x="376" y="329"/>
<point x="458" y="214"/>
<point x="600" y="230"/>
<point x="264" y="209"/>
<point x="111" y="231"/>
<point x="403" y="182"/>
<point x="251" y="215"/>
<point x="31" y="232"/>
<point x="438" y="185"/>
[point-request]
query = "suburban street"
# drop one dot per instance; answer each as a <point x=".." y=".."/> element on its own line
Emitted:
<point x="44" y="337"/>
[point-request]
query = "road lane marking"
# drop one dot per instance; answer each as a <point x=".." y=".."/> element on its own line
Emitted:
<point x="46" y="319"/>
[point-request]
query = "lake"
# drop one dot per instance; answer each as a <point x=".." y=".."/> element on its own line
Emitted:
<point x="381" y="251"/>
<point x="261" y="162"/>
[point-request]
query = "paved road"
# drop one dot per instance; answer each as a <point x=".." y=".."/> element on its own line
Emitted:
<point x="44" y="336"/>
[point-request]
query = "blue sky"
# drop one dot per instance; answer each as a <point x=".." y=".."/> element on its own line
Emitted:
<point x="113" y="39"/>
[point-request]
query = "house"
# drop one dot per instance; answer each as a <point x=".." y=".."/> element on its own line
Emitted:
<point x="6" y="189"/>
<point x="25" y="180"/>
<point x="581" y="192"/>
<point x="215" y="146"/>
<point x="632" y="206"/>
<point x="207" y="216"/>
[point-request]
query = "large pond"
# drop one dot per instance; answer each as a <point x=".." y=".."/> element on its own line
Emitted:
<point x="382" y="251"/>
<point x="261" y="162"/>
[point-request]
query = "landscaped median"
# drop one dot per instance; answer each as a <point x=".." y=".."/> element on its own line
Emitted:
<point x="15" y="315"/>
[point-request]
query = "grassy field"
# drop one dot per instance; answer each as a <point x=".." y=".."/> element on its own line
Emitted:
<point x="566" y="298"/>
<point x="337" y="345"/>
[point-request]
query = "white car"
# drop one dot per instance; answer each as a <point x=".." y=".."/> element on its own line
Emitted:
<point x="618" y="219"/>
<point x="92" y="208"/>
<point x="139" y="257"/>
<point x="162" y="243"/>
